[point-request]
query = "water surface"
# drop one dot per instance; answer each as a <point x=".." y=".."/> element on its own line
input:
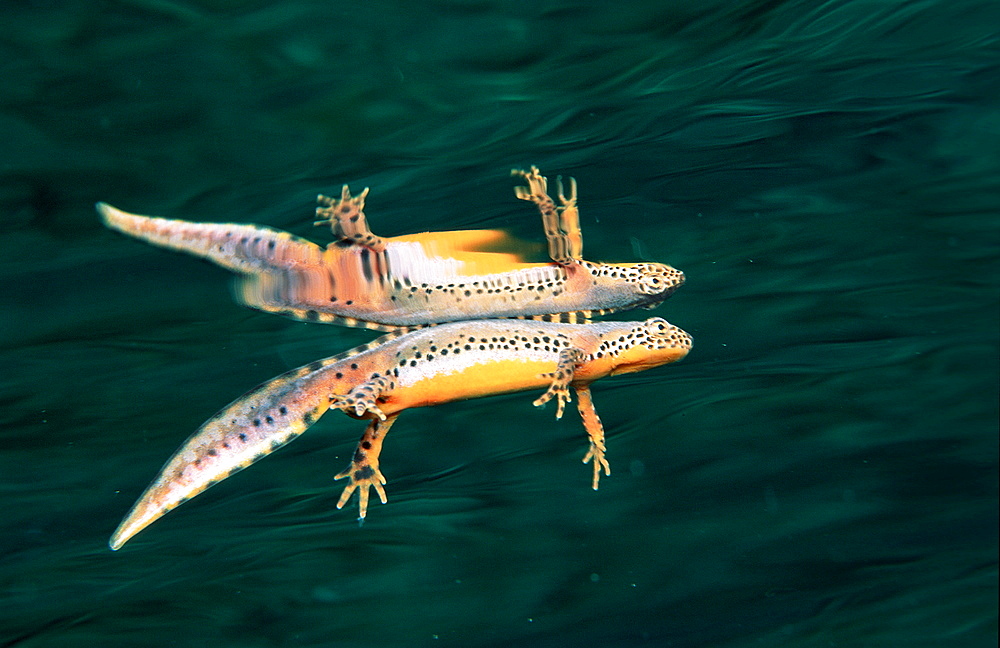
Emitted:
<point x="820" y="471"/>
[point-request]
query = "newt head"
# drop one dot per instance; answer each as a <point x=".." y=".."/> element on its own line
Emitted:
<point x="645" y="345"/>
<point x="638" y="285"/>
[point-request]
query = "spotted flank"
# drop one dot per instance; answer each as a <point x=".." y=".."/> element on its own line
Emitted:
<point x="369" y="281"/>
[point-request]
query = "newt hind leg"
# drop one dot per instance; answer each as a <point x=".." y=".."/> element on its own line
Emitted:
<point x="562" y="224"/>
<point x="346" y="217"/>
<point x="363" y="474"/>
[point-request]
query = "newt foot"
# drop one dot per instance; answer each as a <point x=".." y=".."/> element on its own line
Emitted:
<point x="363" y="473"/>
<point x="362" y="479"/>
<point x="570" y="202"/>
<point x="559" y="392"/>
<point x="596" y="453"/>
<point x="537" y="189"/>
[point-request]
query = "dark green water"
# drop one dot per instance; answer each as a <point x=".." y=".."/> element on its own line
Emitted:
<point x="820" y="471"/>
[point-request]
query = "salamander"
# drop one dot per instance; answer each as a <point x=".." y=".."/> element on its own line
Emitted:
<point x="429" y="366"/>
<point x="385" y="283"/>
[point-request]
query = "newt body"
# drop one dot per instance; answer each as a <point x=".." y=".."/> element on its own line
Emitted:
<point x="407" y="281"/>
<point x="426" y="367"/>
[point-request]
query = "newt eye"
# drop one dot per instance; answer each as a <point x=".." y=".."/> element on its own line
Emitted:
<point x="658" y="329"/>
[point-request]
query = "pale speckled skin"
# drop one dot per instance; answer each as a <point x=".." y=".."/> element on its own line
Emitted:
<point x="407" y="281"/>
<point x="426" y="367"/>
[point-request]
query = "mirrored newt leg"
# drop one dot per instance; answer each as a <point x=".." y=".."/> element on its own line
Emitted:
<point x="346" y="217"/>
<point x="363" y="474"/>
<point x="562" y="224"/>
<point x="569" y="218"/>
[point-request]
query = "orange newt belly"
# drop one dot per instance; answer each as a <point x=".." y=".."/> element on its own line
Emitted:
<point x="474" y="380"/>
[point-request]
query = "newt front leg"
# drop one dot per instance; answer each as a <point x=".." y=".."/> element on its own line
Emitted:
<point x="595" y="430"/>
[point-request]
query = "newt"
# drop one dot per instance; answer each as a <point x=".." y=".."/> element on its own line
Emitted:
<point x="425" y="367"/>
<point x="406" y="281"/>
